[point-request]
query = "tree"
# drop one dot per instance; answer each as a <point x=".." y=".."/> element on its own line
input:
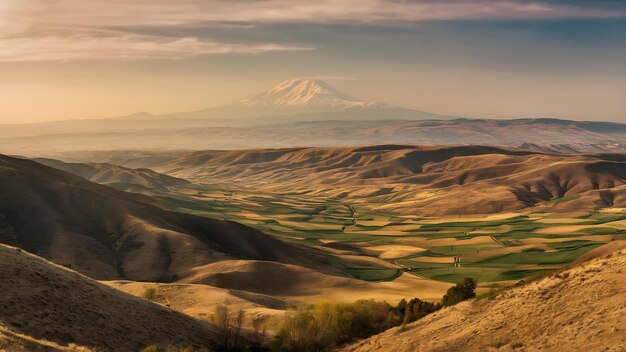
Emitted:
<point x="237" y="325"/>
<point x="417" y="309"/>
<point x="222" y="320"/>
<point x="462" y="291"/>
<point x="258" y="332"/>
<point x="401" y="307"/>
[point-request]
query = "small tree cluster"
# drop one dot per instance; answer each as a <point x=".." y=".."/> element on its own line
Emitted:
<point x="460" y="292"/>
<point x="416" y="309"/>
<point x="258" y="334"/>
<point x="229" y="325"/>
<point x="326" y="325"/>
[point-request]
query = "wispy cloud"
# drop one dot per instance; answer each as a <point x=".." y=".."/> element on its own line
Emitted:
<point x="94" y="29"/>
<point x="122" y="46"/>
<point x="167" y="12"/>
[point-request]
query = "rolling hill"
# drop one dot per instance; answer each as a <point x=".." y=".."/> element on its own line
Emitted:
<point x="118" y="177"/>
<point x="109" y="234"/>
<point x="48" y="307"/>
<point x="425" y="180"/>
<point x="583" y="306"/>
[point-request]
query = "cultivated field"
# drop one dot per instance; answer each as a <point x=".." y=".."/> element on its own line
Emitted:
<point x="379" y="246"/>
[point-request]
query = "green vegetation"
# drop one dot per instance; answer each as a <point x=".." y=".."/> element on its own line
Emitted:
<point x="562" y="256"/>
<point x="149" y="293"/>
<point x="318" y="220"/>
<point x="324" y="326"/>
<point x="556" y="201"/>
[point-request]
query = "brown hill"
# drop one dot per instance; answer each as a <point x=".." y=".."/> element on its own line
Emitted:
<point x="581" y="309"/>
<point x="109" y="234"/>
<point x="48" y="307"/>
<point x="427" y="180"/>
<point x="118" y="177"/>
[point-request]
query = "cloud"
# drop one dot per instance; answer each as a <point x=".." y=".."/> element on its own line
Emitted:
<point x="167" y="12"/>
<point x="39" y="30"/>
<point x="122" y="47"/>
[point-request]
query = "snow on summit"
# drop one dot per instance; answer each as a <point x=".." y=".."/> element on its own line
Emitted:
<point x="306" y="93"/>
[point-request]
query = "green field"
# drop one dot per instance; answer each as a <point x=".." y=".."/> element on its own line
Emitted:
<point x="502" y="249"/>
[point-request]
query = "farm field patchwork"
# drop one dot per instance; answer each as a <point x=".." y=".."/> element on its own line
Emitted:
<point x="493" y="248"/>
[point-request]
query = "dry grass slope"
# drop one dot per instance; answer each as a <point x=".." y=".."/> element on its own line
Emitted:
<point x="581" y="309"/>
<point x="56" y="306"/>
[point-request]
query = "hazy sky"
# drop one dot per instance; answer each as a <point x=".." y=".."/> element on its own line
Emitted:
<point x="66" y="59"/>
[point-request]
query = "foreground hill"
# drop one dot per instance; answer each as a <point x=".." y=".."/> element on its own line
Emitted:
<point x="420" y="179"/>
<point x="108" y="234"/>
<point x="47" y="307"/>
<point x="581" y="309"/>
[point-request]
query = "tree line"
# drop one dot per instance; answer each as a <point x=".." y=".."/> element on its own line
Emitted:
<point x="324" y="326"/>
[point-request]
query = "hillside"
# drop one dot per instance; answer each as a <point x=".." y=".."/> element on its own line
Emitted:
<point x="583" y="306"/>
<point x="109" y="234"/>
<point x="267" y="289"/>
<point x="427" y="180"/>
<point x="47" y="306"/>
<point x="118" y="177"/>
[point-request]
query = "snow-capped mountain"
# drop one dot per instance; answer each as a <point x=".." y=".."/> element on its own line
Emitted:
<point x="298" y="100"/>
<point x="306" y="93"/>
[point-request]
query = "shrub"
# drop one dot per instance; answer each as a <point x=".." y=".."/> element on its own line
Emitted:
<point x="149" y="293"/>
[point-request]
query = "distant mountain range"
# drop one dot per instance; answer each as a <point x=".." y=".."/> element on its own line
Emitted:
<point x="305" y="113"/>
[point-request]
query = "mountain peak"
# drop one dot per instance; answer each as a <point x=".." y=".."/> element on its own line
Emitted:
<point x="305" y="93"/>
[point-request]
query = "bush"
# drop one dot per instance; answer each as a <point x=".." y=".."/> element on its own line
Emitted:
<point x="149" y="293"/>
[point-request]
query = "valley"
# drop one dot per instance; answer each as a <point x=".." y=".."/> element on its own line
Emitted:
<point x="328" y="199"/>
<point x="249" y="235"/>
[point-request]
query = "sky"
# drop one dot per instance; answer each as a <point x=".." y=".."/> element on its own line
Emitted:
<point x="71" y="59"/>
